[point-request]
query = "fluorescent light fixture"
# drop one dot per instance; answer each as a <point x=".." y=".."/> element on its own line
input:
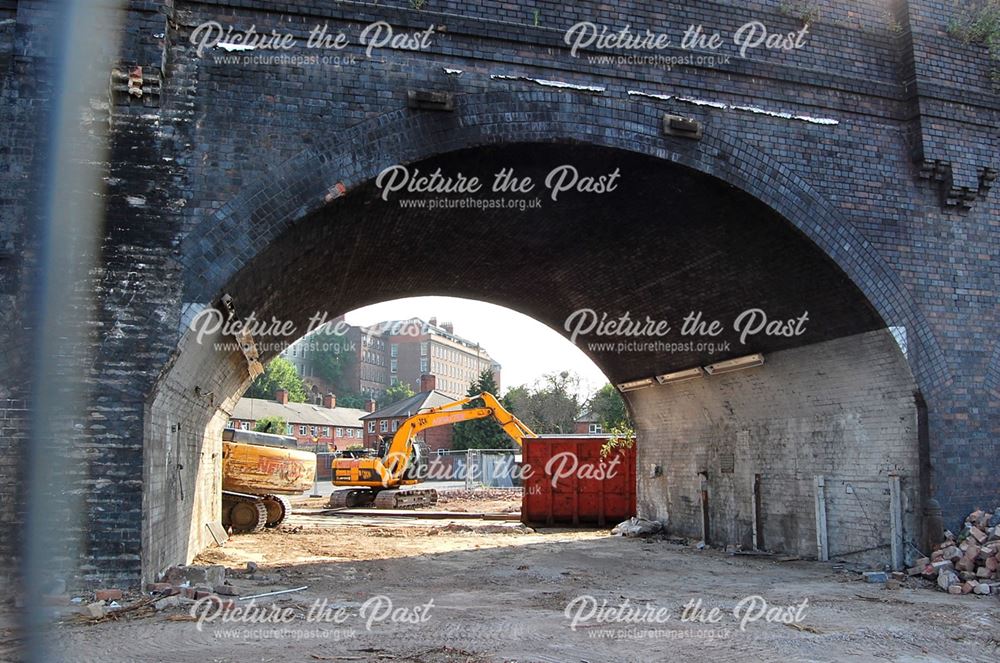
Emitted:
<point x="635" y="384"/>
<point x="737" y="364"/>
<point x="680" y="376"/>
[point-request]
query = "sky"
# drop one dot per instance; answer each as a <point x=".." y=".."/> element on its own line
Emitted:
<point x="525" y="348"/>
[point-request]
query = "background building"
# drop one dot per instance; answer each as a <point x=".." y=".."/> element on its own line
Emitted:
<point x="389" y="353"/>
<point x="418" y="348"/>
<point x="324" y="425"/>
<point x="588" y="423"/>
<point x="386" y="421"/>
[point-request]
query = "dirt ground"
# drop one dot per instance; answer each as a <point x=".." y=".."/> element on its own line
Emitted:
<point x="473" y="590"/>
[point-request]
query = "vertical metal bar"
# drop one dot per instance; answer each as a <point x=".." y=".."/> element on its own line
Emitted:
<point x="468" y="469"/>
<point x="896" y="522"/>
<point x="822" y="545"/>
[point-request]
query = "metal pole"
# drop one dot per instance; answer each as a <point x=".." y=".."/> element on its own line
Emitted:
<point x="468" y="469"/>
<point x="822" y="545"/>
<point x="896" y="522"/>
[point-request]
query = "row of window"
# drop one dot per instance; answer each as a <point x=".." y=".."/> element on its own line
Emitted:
<point x="454" y="356"/>
<point x="308" y="430"/>
<point x="372" y="373"/>
<point x="370" y="357"/>
<point x="368" y="340"/>
<point x="383" y="425"/>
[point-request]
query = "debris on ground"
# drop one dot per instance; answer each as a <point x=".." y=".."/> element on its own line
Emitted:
<point x="636" y="526"/>
<point x="515" y="528"/>
<point x="875" y="576"/>
<point x="968" y="563"/>
<point x="211" y="575"/>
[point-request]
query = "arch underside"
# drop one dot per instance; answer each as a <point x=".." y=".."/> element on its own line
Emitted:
<point x="667" y="242"/>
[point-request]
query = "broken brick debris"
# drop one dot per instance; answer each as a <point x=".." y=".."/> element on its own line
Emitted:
<point x="968" y="563"/>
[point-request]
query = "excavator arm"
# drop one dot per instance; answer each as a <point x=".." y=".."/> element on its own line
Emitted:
<point x="388" y="472"/>
<point x="400" y="449"/>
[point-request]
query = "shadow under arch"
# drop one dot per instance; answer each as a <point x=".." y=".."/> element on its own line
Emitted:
<point x="314" y="235"/>
<point x="312" y="179"/>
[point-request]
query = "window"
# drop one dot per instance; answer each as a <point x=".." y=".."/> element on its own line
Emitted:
<point x="326" y="431"/>
<point x="383" y="426"/>
<point x="393" y="366"/>
<point x="340" y="432"/>
<point x="395" y="425"/>
<point x="394" y="381"/>
<point x="423" y="364"/>
<point x="312" y="431"/>
<point x="245" y="425"/>
<point x="440" y="452"/>
<point x="423" y="348"/>
<point x="595" y="428"/>
<point x="350" y="432"/>
<point x="288" y="429"/>
<point x="302" y="430"/>
<point x="231" y="424"/>
<point x="371" y="426"/>
<point x="394" y="350"/>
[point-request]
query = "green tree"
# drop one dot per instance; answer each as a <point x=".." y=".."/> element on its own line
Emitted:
<point x="351" y="399"/>
<point x="396" y="393"/>
<point x="329" y="357"/>
<point x="279" y="374"/>
<point x="553" y="404"/>
<point x="275" y="425"/>
<point x="481" y="433"/>
<point x="608" y="406"/>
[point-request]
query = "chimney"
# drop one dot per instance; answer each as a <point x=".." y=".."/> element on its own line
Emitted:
<point x="448" y="327"/>
<point x="330" y="401"/>
<point x="428" y="382"/>
<point x="370" y="405"/>
<point x="281" y="395"/>
<point x="433" y="321"/>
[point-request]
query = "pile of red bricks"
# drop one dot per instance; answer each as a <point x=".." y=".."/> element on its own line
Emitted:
<point x="193" y="582"/>
<point x="969" y="563"/>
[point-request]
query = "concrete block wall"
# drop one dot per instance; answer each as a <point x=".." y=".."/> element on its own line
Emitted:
<point x="843" y="409"/>
<point x="182" y="457"/>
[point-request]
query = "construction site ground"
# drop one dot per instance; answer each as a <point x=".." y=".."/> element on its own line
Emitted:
<point x="469" y="589"/>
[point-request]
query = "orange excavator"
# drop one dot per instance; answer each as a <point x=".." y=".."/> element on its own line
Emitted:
<point x="383" y="482"/>
<point x="259" y="472"/>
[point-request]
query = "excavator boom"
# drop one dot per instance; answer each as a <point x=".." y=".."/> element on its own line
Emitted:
<point x="387" y="473"/>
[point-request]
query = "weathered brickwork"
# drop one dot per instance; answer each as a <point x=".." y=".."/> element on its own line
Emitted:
<point x="848" y="415"/>
<point x="219" y="163"/>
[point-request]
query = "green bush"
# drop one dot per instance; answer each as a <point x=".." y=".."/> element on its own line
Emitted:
<point x="980" y="24"/>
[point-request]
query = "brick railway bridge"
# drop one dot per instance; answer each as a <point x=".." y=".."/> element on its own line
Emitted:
<point x="849" y="179"/>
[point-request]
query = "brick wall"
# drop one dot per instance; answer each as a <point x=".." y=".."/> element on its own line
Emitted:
<point x="210" y="178"/>
<point x="842" y="409"/>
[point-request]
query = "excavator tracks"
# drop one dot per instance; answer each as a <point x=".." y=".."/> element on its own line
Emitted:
<point x="345" y="499"/>
<point x="384" y="499"/>
<point x="405" y="498"/>
<point x="243" y="513"/>
<point x="278" y="509"/>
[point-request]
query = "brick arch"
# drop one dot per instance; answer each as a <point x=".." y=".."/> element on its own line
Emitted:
<point x="337" y="163"/>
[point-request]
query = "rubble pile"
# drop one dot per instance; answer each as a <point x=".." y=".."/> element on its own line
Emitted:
<point x="181" y="584"/>
<point x="968" y="563"/>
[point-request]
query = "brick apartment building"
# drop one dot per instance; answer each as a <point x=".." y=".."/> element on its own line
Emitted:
<point x="418" y="348"/>
<point x="325" y="424"/>
<point x="394" y="352"/>
<point x="386" y="421"/>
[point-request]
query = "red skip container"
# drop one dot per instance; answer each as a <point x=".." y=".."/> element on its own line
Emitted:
<point x="568" y="482"/>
